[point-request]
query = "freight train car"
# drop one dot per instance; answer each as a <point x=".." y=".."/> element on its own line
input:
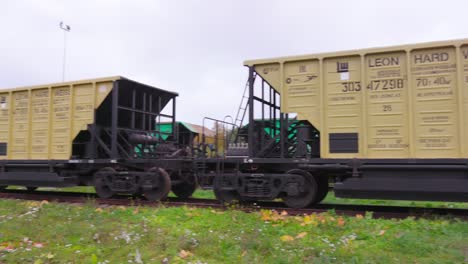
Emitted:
<point x="387" y="123"/>
<point x="98" y="132"/>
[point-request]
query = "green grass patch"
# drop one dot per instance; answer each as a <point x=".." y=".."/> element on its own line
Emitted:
<point x="331" y="199"/>
<point x="34" y="232"/>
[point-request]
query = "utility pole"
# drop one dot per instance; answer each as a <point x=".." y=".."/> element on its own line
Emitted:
<point x="65" y="28"/>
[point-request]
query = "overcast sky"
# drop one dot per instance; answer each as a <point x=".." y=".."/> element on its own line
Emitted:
<point x="197" y="48"/>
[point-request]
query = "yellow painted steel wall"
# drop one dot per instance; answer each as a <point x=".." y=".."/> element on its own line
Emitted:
<point x="404" y="102"/>
<point x="40" y="122"/>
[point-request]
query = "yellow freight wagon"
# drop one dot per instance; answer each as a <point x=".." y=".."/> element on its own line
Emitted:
<point x="380" y="123"/>
<point x="98" y="132"/>
<point x="406" y="101"/>
<point x="40" y="122"/>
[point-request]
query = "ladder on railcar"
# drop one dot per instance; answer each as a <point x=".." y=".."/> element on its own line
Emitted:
<point x="244" y="104"/>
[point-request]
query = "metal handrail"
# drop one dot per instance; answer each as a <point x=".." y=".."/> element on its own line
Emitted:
<point x="203" y="131"/>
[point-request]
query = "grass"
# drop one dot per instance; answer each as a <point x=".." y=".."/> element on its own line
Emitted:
<point x="34" y="232"/>
<point x="331" y="199"/>
<point x="431" y="204"/>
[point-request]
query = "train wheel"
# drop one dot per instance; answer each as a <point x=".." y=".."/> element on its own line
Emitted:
<point x="322" y="189"/>
<point x="31" y="189"/>
<point x="161" y="185"/>
<point x="102" y="182"/>
<point x="186" y="188"/>
<point x="309" y="192"/>
<point x="224" y="196"/>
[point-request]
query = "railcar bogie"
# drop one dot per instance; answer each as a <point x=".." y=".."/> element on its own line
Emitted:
<point x="302" y="193"/>
<point x="103" y="181"/>
<point x="184" y="183"/>
<point x="264" y="181"/>
<point x="156" y="184"/>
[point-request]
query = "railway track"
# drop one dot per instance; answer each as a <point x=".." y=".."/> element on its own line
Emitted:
<point x="387" y="212"/>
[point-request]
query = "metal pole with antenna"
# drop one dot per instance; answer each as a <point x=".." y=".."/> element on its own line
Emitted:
<point x="65" y="28"/>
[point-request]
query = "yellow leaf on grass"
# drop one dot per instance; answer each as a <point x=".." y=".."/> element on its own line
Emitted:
<point x="286" y="238"/>
<point x="99" y="210"/>
<point x="4" y="244"/>
<point x="44" y="202"/>
<point x="301" y="235"/>
<point x="34" y="204"/>
<point x="50" y="255"/>
<point x="381" y="232"/>
<point x="322" y="219"/>
<point x="272" y="215"/>
<point x="266" y="215"/>
<point x="309" y="220"/>
<point x="185" y="254"/>
<point x="276" y="217"/>
<point x="299" y="218"/>
<point x="359" y="216"/>
<point x="341" y="221"/>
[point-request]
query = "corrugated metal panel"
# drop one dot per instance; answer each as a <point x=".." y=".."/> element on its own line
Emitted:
<point x="406" y="101"/>
<point x="40" y="122"/>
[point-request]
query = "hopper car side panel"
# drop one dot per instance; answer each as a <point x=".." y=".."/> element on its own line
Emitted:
<point x="40" y="122"/>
